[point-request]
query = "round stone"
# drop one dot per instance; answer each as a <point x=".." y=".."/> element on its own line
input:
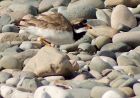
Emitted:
<point x="98" y="64"/>
<point x="4" y="76"/>
<point x="114" y="94"/>
<point x="136" y="89"/>
<point x="10" y="62"/>
<point x="10" y="28"/>
<point x="101" y="41"/>
<point x="12" y="81"/>
<point x="116" y="47"/>
<point x="119" y="15"/>
<point x="52" y="92"/>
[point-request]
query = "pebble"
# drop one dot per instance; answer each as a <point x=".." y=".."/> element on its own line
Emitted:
<point x="87" y="47"/>
<point x="10" y="28"/>
<point x="114" y="94"/>
<point x="86" y="9"/>
<point x="4" y="46"/>
<point x="116" y="47"/>
<point x="47" y="4"/>
<point x="12" y="81"/>
<point x="4" y="76"/>
<point x="54" y="78"/>
<point x="10" y="62"/>
<point x="119" y="17"/>
<point x="56" y="63"/>
<point x="101" y="15"/>
<point x="98" y="64"/>
<point x="127" y="90"/>
<point x="22" y="94"/>
<point x="26" y="45"/>
<point x="28" y="84"/>
<point x="52" y="92"/>
<point x="80" y="93"/>
<point x="136" y="88"/>
<point x="96" y="22"/>
<point x="130" y="38"/>
<point x="99" y="91"/>
<point x="11" y="36"/>
<point x="88" y="84"/>
<point x="5" y="19"/>
<point x="85" y="56"/>
<point x="102" y="31"/>
<point x="107" y="54"/>
<point x="123" y="81"/>
<point x="131" y="3"/>
<point x="7" y="91"/>
<point x="100" y="41"/>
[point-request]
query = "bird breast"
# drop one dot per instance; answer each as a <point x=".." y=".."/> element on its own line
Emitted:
<point x="58" y="37"/>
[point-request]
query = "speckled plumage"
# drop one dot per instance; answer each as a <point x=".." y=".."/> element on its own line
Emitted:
<point x="53" y="27"/>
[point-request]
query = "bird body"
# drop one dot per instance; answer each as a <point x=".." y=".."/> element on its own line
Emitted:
<point x="57" y="37"/>
<point x="54" y="28"/>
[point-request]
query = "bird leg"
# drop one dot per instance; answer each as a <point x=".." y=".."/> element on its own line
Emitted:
<point x="44" y="41"/>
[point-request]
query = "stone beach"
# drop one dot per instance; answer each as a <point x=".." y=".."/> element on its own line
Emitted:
<point x="69" y="48"/>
